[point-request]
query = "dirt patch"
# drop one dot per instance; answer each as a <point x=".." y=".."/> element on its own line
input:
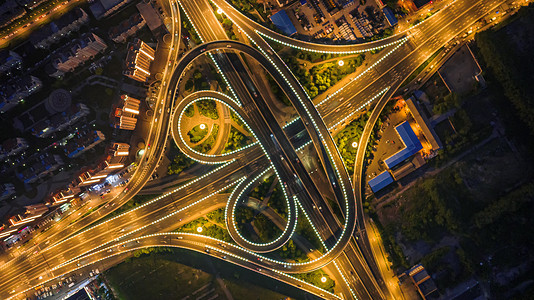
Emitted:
<point x="459" y="71"/>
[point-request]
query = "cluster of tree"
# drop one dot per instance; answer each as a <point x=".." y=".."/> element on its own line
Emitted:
<point x="506" y="61"/>
<point x="352" y="133"/>
<point x="506" y="205"/>
<point x="442" y="105"/>
<point x="277" y="91"/>
<point x="461" y="137"/>
<point x="229" y="28"/>
<point x="265" y="229"/>
<point x="206" y="146"/>
<point x="190" y="110"/>
<point x="384" y="33"/>
<point x="196" y="82"/>
<point x="151" y="250"/>
<point x="278" y="202"/>
<point x="326" y="75"/>
<point x="237" y="120"/>
<point x="217" y="216"/>
<point x="323" y="76"/>
<point x="434" y="207"/>
<point x="236" y="140"/>
<point x="187" y="27"/>
<point x="217" y="230"/>
<point x="315" y="279"/>
<point x="312" y="57"/>
<point x="179" y="162"/>
<point x="208" y="108"/>
<point x="305" y="230"/>
<point x="196" y="134"/>
<point x="251" y="8"/>
<point x="290" y="251"/>
<point x="260" y="191"/>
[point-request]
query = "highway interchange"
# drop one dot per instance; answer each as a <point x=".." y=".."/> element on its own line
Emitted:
<point x="60" y="249"/>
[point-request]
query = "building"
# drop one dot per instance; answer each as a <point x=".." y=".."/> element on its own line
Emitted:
<point x="411" y="143"/>
<point x="58" y="29"/>
<point x="60" y="121"/>
<point x="104" y="8"/>
<point x="10" y="10"/>
<point x="425" y="285"/>
<point x="6" y="191"/>
<point x="120" y="149"/>
<point x="424" y="124"/>
<point x="281" y="21"/>
<point x="40" y="166"/>
<point x="14" y="91"/>
<point x="125" y="116"/>
<point x="30" y="4"/>
<point x="7" y="230"/>
<point x="87" y="178"/>
<point x="138" y="60"/>
<point x="76" y="53"/>
<point x="62" y="197"/>
<point x="83" y="142"/>
<point x="380" y="181"/>
<point x="390" y="17"/>
<point x="150" y="15"/>
<point x="126" y="28"/>
<point x="12" y="147"/>
<point x="32" y="213"/>
<point x="9" y="60"/>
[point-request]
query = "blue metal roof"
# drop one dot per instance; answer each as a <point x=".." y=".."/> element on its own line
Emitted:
<point x="380" y="181"/>
<point x="411" y="143"/>
<point x="282" y="21"/>
<point x="390" y="16"/>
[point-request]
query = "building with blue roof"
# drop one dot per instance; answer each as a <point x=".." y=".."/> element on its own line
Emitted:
<point x="380" y="181"/>
<point x="281" y="21"/>
<point x="390" y="16"/>
<point x="412" y="145"/>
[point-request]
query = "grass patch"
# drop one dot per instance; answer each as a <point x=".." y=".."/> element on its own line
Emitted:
<point x="197" y="134"/>
<point x="207" y="145"/>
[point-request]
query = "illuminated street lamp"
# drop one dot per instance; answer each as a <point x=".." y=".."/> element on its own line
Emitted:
<point x="354" y="144"/>
<point x="219" y="11"/>
<point x="202" y="126"/>
<point x="199" y="229"/>
<point x="323" y="279"/>
<point x="341" y="63"/>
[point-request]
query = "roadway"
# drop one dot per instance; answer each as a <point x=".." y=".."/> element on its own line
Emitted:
<point x="401" y="62"/>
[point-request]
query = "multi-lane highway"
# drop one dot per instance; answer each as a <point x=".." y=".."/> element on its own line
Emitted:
<point x="399" y="61"/>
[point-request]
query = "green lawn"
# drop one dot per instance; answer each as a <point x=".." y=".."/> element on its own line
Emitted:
<point x="244" y="290"/>
<point x="156" y="277"/>
<point x="177" y="273"/>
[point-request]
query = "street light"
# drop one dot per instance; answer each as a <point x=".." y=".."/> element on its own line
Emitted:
<point x="199" y="229"/>
<point x="341" y="63"/>
<point x="354" y="144"/>
<point x="219" y="11"/>
<point x="202" y="126"/>
<point x="323" y="279"/>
